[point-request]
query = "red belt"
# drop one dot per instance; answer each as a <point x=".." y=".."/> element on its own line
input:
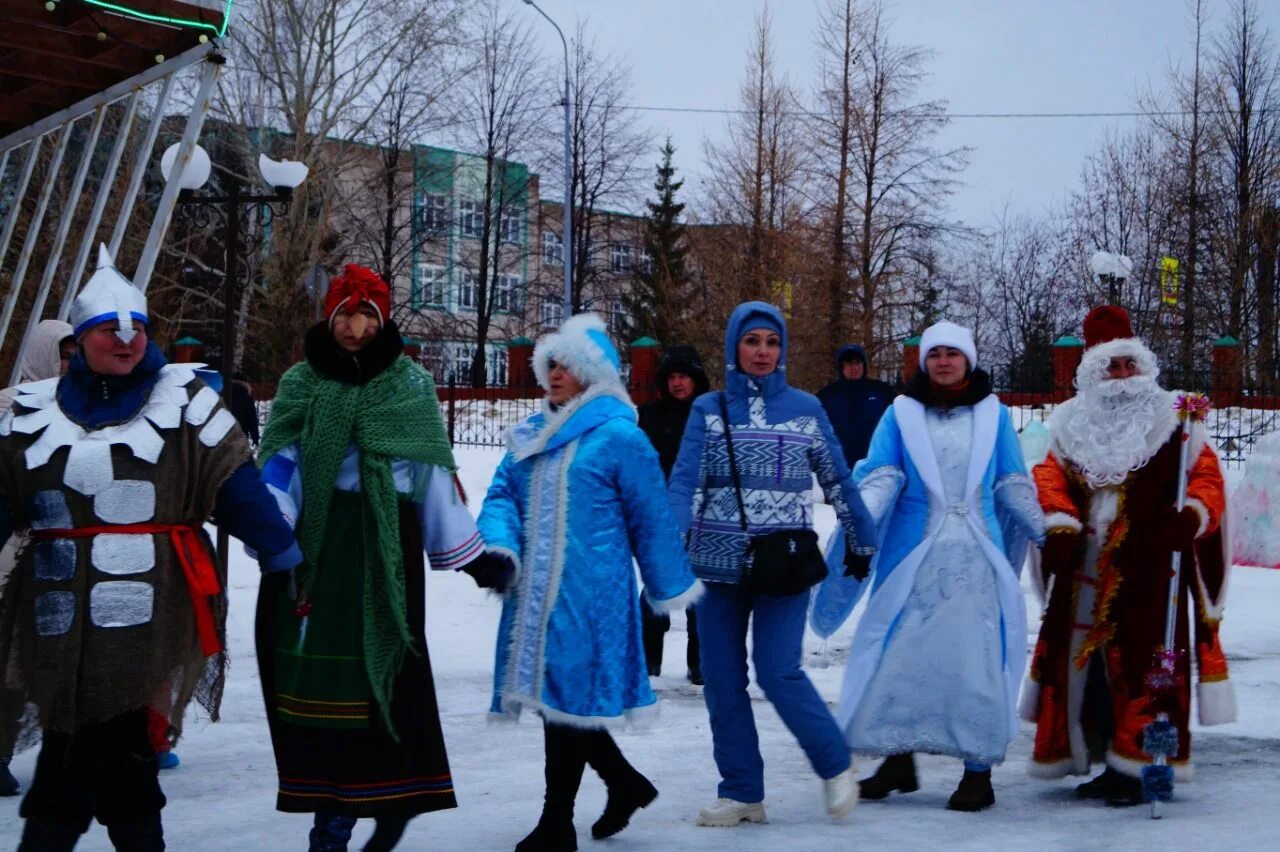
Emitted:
<point x="196" y="562"/>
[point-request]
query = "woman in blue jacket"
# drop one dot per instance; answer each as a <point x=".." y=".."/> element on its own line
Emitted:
<point x="781" y="440"/>
<point x="578" y="496"/>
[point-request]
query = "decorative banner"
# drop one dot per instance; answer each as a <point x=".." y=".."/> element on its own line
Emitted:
<point x="781" y="294"/>
<point x="1169" y="280"/>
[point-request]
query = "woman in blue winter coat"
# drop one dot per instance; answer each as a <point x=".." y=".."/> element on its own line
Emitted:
<point x="938" y="655"/>
<point x="578" y="496"/>
<point x="781" y="440"/>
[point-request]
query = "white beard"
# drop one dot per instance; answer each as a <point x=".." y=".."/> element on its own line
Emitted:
<point x="1112" y="428"/>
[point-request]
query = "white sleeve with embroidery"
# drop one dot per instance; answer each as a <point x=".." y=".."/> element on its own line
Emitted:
<point x="449" y="533"/>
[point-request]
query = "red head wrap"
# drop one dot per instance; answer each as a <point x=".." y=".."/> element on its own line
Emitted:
<point x="357" y="285"/>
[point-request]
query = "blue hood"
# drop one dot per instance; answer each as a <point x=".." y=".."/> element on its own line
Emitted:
<point x="744" y="318"/>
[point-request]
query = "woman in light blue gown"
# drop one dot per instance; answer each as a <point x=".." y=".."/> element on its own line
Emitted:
<point x="938" y="656"/>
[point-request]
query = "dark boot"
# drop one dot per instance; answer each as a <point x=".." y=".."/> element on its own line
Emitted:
<point x="695" y="676"/>
<point x="331" y="833"/>
<point x="897" y="772"/>
<point x="691" y="656"/>
<point x="654" y="626"/>
<point x="624" y="800"/>
<point x="566" y="750"/>
<point x="8" y="784"/>
<point x="43" y="836"/>
<point x="142" y="834"/>
<point x="387" y="832"/>
<point x="1100" y="787"/>
<point x="974" y="792"/>
<point x="1126" y="792"/>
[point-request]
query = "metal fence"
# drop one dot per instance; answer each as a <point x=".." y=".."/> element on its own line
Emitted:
<point x="481" y="417"/>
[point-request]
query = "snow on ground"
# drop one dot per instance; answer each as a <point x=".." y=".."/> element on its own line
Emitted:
<point x="222" y="796"/>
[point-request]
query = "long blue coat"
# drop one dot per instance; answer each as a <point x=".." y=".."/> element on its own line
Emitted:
<point x="902" y="487"/>
<point x="578" y="496"/>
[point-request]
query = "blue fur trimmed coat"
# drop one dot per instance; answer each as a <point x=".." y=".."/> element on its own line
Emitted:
<point x="782" y="439"/>
<point x="578" y="496"/>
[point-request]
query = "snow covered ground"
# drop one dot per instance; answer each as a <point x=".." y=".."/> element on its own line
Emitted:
<point x="222" y="796"/>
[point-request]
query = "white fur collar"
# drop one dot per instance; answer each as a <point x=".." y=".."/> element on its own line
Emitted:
<point x="522" y="444"/>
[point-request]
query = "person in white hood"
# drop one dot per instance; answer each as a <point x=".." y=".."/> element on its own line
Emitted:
<point x="47" y="357"/>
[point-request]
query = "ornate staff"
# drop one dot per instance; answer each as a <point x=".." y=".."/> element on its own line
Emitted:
<point x="1160" y="737"/>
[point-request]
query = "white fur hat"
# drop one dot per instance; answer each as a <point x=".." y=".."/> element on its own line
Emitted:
<point x="582" y="344"/>
<point x="949" y="334"/>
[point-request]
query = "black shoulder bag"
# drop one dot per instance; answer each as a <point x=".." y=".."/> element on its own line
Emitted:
<point x="780" y="563"/>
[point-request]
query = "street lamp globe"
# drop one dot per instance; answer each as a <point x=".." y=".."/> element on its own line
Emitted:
<point x="196" y="172"/>
<point x="283" y="175"/>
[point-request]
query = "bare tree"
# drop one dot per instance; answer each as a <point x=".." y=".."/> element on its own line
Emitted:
<point x="902" y="180"/>
<point x="755" y="176"/>
<point x="501" y="109"/>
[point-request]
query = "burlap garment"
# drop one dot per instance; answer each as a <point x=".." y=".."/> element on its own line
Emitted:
<point x="94" y="627"/>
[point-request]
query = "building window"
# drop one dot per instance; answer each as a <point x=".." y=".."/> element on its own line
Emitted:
<point x="617" y="316"/>
<point x="456" y="361"/>
<point x="471" y="218"/>
<point x="620" y="257"/>
<point x="506" y="294"/>
<point x="511" y="226"/>
<point x="552" y="249"/>
<point x="430" y="286"/>
<point x="646" y="261"/>
<point x="552" y="312"/>
<point x="433" y="215"/>
<point x="467" y="291"/>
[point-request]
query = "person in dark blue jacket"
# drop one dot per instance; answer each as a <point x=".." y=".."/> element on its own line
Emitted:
<point x="854" y="403"/>
<point x="681" y="380"/>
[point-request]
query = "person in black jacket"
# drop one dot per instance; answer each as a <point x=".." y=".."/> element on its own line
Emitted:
<point x="854" y="403"/>
<point x="681" y="379"/>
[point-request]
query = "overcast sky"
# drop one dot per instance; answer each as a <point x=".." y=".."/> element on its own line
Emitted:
<point x="992" y="56"/>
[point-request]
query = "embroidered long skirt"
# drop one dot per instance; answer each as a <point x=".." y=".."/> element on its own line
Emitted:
<point x="333" y="751"/>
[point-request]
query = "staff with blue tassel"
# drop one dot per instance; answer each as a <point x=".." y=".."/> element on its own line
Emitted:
<point x="1160" y="737"/>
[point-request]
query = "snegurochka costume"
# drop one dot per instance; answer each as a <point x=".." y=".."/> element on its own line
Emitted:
<point x="118" y="605"/>
<point x="355" y="451"/>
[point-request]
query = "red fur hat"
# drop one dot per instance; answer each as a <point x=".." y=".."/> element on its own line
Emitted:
<point x="357" y="285"/>
<point x="1106" y="323"/>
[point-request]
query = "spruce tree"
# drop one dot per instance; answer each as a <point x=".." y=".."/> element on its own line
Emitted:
<point x="657" y="300"/>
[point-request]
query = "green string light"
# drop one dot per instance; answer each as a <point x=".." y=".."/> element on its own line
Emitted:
<point x="217" y="30"/>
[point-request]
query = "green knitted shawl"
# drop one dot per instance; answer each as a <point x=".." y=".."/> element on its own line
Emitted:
<point x="395" y="415"/>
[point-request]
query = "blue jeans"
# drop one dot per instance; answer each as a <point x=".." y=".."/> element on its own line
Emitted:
<point x="723" y="614"/>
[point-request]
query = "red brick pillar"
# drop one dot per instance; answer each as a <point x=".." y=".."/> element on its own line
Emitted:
<point x="1228" y="372"/>
<point x="644" y="370"/>
<point x="910" y="358"/>
<point x="520" y="364"/>
<point x="1067" y="353"/>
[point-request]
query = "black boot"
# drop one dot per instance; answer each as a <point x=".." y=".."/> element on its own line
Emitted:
<point x="897" y="772"/>
<point x="142" y="834"/>
<point x="8" y="784"/>
<point x="43" y="836"/>
<point x="974" y="792"/>
<point x="1100" y="787"/>
<point x="331" y="833"/>
<point x="387" y="832"/>
<point x="566" y="759"/>
<point x="624" y="800"/>
<point x="695" y="675"/>
<point x="1126" y="792"/>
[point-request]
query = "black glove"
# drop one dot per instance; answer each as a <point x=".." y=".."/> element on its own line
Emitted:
<point x="1059" y="553"/>
<point x="491" y="571"/>
<point x="857" y="565"/>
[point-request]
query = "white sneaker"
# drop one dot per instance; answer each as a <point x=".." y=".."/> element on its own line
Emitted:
<point x="841" y="793"/>
<point x="725" y="813"/>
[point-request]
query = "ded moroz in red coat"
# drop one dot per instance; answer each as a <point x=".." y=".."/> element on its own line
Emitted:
<point x="1109" y="598"/>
